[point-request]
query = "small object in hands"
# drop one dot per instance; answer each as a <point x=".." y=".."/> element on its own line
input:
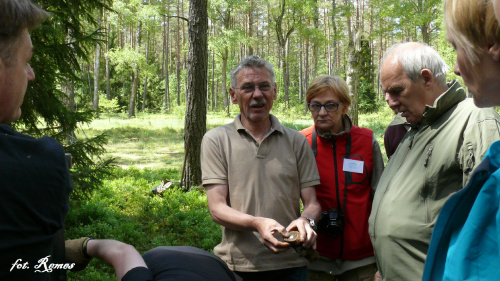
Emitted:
<point x="294" y="239"/>
<point x="76" y="252"/>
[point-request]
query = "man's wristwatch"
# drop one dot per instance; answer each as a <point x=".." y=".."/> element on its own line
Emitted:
<point x="311" y="222"/>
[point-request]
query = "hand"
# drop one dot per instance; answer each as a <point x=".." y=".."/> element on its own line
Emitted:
<point x="307" y="234"/>
<point x="267" y="228"/>
<point x="377" y="276"/>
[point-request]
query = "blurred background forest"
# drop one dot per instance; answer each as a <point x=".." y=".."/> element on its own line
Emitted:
<point x="141" y="60"/>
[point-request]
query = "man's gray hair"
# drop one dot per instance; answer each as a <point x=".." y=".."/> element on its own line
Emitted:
<point x="414" y="57"/>
<point x="15" y="16"/>
<point x="251" y="62"/>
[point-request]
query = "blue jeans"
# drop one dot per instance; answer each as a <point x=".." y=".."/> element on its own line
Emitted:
<point x="287" y="274"/>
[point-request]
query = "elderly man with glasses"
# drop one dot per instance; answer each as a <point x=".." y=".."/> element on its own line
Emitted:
<point x="255" y="172"/>
<point x="350" y="163"/>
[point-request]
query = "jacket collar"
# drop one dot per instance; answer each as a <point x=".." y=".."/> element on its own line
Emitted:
<point x="444" y="102"/>
<point x="346" y="122"/>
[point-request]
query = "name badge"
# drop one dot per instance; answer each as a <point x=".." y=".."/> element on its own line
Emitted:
<point x="354" y="166"/>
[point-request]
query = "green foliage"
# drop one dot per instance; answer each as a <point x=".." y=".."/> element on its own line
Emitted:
<point x="125" y="209"/>
<point x="60" y="43"/>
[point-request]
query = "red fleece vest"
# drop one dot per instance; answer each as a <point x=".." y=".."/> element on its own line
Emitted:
<point x="355" y="242"/>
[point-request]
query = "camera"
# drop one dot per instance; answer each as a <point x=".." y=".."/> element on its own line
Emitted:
<point x="332" y="222"/>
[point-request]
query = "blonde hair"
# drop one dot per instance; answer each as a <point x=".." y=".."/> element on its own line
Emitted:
<point x="324" y="83"/>
<point x="471" y="24"/>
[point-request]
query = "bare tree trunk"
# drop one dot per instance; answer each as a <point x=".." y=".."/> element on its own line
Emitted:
<point x="145" y="87"/>
<point x="315" y="43"/>
<point x="283" y="41"/>
<point x="224" y="80"/>
<point x="108" y="85"/>
<point x="178" y="56"/>
<point x="69" y="90"/>
<point x="250" y="26"/>
<point x="196" y="114"/>
<point x="97" y="66"/>
<point x="301" y="82"/>
<point x="133" y="94"/>
<point x="213" y="82"/>
<point x="166" y="31"/>
<point x="334" y="40"/>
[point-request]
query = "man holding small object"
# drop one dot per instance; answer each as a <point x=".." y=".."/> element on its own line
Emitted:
<point x="256" y="172"/>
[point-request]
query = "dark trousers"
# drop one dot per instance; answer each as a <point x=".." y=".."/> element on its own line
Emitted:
<point x="288" y="274"/>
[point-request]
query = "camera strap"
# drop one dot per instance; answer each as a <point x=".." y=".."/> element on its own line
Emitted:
<point x="347" y="175"/>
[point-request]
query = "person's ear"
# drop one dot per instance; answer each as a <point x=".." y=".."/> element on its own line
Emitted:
<point x="494" y="52"/>
<point x="344" y="109"/>
<point x="428" y="76"/>
<point x="233" y="95"/>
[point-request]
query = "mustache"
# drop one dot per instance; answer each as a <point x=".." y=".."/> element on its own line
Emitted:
<point x="258" y="102"/>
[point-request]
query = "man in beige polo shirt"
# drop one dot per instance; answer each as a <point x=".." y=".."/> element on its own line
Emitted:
<point x="256" y="172"/>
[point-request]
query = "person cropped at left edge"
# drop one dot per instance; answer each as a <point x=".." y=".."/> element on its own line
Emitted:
<point x="350" y="163"/>
<point x="255" y="172"/>
<point x="34" y="177"/>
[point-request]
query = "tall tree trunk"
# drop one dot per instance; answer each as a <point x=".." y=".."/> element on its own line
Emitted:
<point x="283" y="39"/>
<point x="108" y="84"/>
<point x="145" y="88"/>
<point x="286" y="74"/>
<point x="353" y="80"/>
<point x="166" y="31"/>
<point x="306" y="62"/>
<point x="334" y="40"/>
<point x="97" y="65"/>
<point x="250" y="27"/>
<point x="196" y="114"/>
<point x="69" y="90"/>
<point x="135" y="84"/>
<point x="301" y="82"/>
<point x="224" y="80"/>
<point x="213" y="81"/>
<point x="178" y="56"/>
<point x="315" y="42"/>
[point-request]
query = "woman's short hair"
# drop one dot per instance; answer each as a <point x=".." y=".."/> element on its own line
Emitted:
<point x="472" y="25"/>
<point x="324" y="83"/>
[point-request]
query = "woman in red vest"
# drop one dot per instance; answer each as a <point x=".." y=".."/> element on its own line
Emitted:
<point x="350" y="163"/>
